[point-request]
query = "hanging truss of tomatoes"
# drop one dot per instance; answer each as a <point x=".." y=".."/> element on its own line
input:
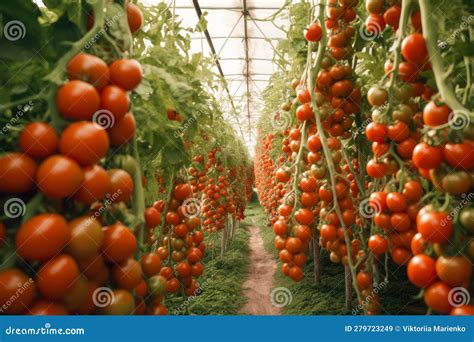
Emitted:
<point x="365" y="147"/>
<point x="112" y="173"/>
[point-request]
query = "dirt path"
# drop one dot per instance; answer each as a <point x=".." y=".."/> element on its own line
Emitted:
<point x="260" y="279"/>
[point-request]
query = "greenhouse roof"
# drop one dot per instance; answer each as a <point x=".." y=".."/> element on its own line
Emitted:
<point x="244" y="49"/>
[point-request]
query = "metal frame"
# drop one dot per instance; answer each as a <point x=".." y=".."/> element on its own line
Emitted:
<point x="246" y="77"/>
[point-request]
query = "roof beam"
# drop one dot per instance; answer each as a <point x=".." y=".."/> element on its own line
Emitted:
<point x="247" y="60"/>
<point x="216" y="59"/>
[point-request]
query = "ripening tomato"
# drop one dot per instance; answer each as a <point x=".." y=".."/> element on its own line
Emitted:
<point x="304" y="112"/>
<point x="377" y="244"/>
<point x="454" y="270"/>
<point x="296" y="274"/>
<point x="414" y="48"/>
<point x="86" y="238"/>
<point x="151" y="264"/>
<point x="460" y="155"/>
<point x="59" y="176"/>
<point x="313" y="33"/>
<point x="376" y="132"/>
<point x="16" y="284"/>
<point x="412" y="190"/>
<point x="392" y="16"/>
<point x="134" y="17"/>
<point x="421" y="270"/>
<point x="396" y="202"/>
<point x="44" y="307"/>
<point x="398" y="132"/>
<point x="88" y="68"/>
<point x="122" y="132"/>
<point x="17" y="173"/>
<point x="56" y="277"/>
<point x="86" y="142"/>
<point x="418" y="244"/>
<point x="375" y="169"/>
<point x="434" y="226"/>
<point x="128" y="274"/>
<point x="364" y="280"/>
<point x="304" y="216"/>
<point x="427" y="157"/>
<point x="116" y="101"/>
<point x="121" y="303"/>
<point x="152" y="217"/>
<point x="374" y="24"/>
<point x="437" y="297"/>
<point x="464" y="310"/>
<point x="95" y="186"/>
<point x="119" y="243"/>
<point x="121" y="185"/>
<point x="38" y="140"/>
<point x="434" y="115"/>
<point x="408" y="71"/>
<point x="400" y="255"/>
<point x="126" y="73"/>
<point x="77" y="100"/>
<point x="42" y="237"/>
<point x="182" y="191"/>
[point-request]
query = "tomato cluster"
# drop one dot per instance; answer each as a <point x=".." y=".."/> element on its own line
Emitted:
<point x="66" y="251"/>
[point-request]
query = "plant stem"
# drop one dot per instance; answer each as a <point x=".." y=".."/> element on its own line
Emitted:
<point x="431" y="38"/>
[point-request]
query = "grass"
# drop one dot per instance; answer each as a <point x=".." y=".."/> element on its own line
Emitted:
<point x="327" y="298"/>
<point x="221" y="291"/>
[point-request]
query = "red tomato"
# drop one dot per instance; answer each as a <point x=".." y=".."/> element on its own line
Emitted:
<point x="414" y="48"/>
<point x="86" y="142"/>
<point x="77" y="100"/>
<point x="42" y="237"/>
<point x="95" y="186"/>
<point x="88" y="68"/>
<point x="56" y="277"/>
<point x="115" y="100"/>
<point x="126" y="73"/>
<point x="17" y="173"/>
<point x="119" y="243"/>
<point x="313" y="33"/>
<point x="122" y="132"/>
<point x="421" y="270"/>
<point x="59" y="176"/>
<point x="39" y="140"/>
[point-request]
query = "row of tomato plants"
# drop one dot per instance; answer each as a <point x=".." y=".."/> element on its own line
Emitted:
<point x="373" y="168"/>
<point x="97" y="219"/>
